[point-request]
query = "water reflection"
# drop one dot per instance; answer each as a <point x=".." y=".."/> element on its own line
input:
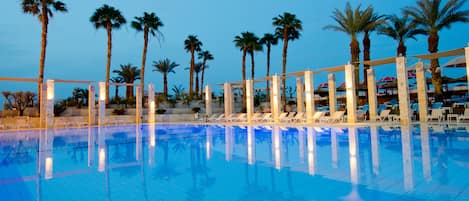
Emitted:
<point x="252" y="163"/>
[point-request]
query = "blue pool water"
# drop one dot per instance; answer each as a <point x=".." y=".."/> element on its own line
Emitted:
<point x="213" y="163"/>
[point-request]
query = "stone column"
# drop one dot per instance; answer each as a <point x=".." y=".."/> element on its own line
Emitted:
<point x="91" y="106"/>
<point x="102" y="103"/>
<point x="208" y="101"/>
<point x="43" y="106"/>
<point x="332" y="93"/>
<point x="309" y="96"/>
<point x="350" y="91"/>
<point x="421" y="91"/>
<point x="228" y="99"/>
<point x="151" y="104"/>
<point x="276" y="102"/>
<point x="138" y="105"/>
<point x="372" y="98"/>
<point x="299" y="95"/>
<point x="403" y="90"/>
<point x="467" y="64"/>
<point x="50" y="104"/>
<point x="249" y="100"/>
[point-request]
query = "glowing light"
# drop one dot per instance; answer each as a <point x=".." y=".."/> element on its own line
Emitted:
<point x="49" y="164"/>
<point x="50" y="89"/>
<point x="102" y="91"/>
<point x="102" y="160"/>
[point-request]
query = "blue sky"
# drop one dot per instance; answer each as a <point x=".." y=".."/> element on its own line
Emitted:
<point x="77" y="51"/>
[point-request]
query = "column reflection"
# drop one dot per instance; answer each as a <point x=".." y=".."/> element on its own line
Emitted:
<point x="208" y="143"/>
<point x="91" y="146"/>
<point x="48" y="154"/>
<point x="374" y="149"/>
<point x="425" y="144"/>
<point x="301" y="144"/>
<point x="138" y="142"/>
<point x="311" y="138"/>
<point x="151" y="144"/>
<point x="407" y="158"/>
<point x="277" y="146"/>
<point x="101" y="149"/>
<point x="353" y="154"/>
<point x="228" y="143"/>
<point x="334" y="146"/>
<point x="251" y="145"/>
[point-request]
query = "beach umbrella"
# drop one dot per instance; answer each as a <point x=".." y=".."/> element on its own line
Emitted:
<point x="458" y="62"/>
<point x="386" y="79"/>
<point x="323" y="85"/>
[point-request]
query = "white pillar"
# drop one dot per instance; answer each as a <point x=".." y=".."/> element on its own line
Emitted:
<point x="43" y="106"/>
<point x="372" y="98"/>
<point x="50" y="104"/>
<point x="467" y="63"/>
<point x="91" y="106"/>
<point x="309" y="96"/>
<point x="421" y="91"/>
<point x="350" y="91"/>
<point x="151" y="104"/>
<point x="299" y="95"/>
<point x="275" y="102"/>
<point x="332" y="93"/>
<point x="208" y="101"/>
<point x="249" y="100"/>
<point x="102" y="103"/>
<point x="403" y="90"/>
<point x="228" y="99"/>
<point x="138" y="104"/>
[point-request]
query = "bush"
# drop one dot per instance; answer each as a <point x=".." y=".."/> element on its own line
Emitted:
<point x="118" y="111"/>
<point x="195" y="109"/>
<point x="160" y="111"/>
<point x="60" y="107"/>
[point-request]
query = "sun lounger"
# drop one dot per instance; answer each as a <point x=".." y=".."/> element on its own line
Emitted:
<point x="334" y="118"/>
<point x="213" y="117"/>
<point x="289" y="118"/>
<point x="465" y="116"/>
<point x="267" y="117"/>
<point x="383" y="115"/>
<point x="238" y="118"/>
<point x="436" y="114"/>
<point x="299" y="117"/>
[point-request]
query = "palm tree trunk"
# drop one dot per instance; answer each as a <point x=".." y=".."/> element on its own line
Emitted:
<point x="129" y="91"/>
<point x="42" y="58"/>
<point x="117" y="93"/>
<point x="196" y="84"/>
<point x="355" y="53"/>
<point x="433" y="39"/>
<point x="165" y="85"/>
<point x="252" y="65"/>
<point x="203" y="78"/>
<point x="267" y="84"/>
<point x="191" y="75"/>
<point x="144" y="58"/>
<point x="284" y="65"/>
<point x="366" y="57"/>
<point x="401" y="49"/>
<point x="108" y="62"/>
<point x="244" y="76"/>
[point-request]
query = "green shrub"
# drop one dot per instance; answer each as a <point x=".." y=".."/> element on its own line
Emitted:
<point x="195" y="109"/>
<point x="60" y="107"/>
<point x="160" y="111"/>
<point x="118" y="111"/>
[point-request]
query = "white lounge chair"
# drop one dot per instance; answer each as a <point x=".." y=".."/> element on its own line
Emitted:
<point x="299" y="117"/>
<point x="266" y="118"/>
<point x="436" y="114"/>
<point x="213" y="117"/>
<point x="336" y="117"/>
<point x="239" y="118"/>
<point x="465" y="116"/>
<point x="383" y="115"/>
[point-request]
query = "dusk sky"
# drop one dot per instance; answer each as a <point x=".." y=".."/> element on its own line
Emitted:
<point x="77" y="51"/>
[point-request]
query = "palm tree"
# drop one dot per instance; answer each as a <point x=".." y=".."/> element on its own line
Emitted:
<point x="117" y="80"/>
<point x="205" y="56"/>
<point x="43" y="9"/>
<point x="129" y="74"/>
<point x="192" y="44"/>
<point x="164" y="67"/>
<point x="149" y="23"/>
<point x="432" y="16"/>
<point x="198" y="68"/>
<point x="349" y="21"/>
<point x="371" y="21"/>
<point x="400" y="29"/>
<point x="288" y="28"/>
<point x="243" y="43"/>
<point x="253" y="45"/>
<point x="109" y="18"/>
<point x="268" y="40"/>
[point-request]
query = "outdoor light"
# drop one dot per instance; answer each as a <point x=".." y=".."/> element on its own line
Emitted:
<point x="49" y="164"/>
<point x="102" y="159"/>
<point x="102" y="91"/>
<point x="50" y="89"/>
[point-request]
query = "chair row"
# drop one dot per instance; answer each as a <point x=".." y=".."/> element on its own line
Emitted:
<point x="291" y="117"/>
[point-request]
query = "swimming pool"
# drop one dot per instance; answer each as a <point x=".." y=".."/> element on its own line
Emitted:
<point x="201" y="162"/>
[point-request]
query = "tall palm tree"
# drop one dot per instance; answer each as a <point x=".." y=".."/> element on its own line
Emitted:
<point x="192" y="44"/>
<point x="371" y="21"/>
<point x="109" y="18"/>
<point x="117" y="80"/>
<point x="242" y="42"/>
<point x="400" y="29"/>
<point x="253" y="46"/>
<point x="164" y="67"/>
<point x="205" y="56"/>
<point x="198" y="68"/>
<point x="129" y="74"/>
<point x="268" y="40"/>
<point x="433" y="16"/>
<point x="349" y="21"/>
<point x="42" y="9"/>
<point x="149" y="24"/>
<point x="288" y="28"/>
